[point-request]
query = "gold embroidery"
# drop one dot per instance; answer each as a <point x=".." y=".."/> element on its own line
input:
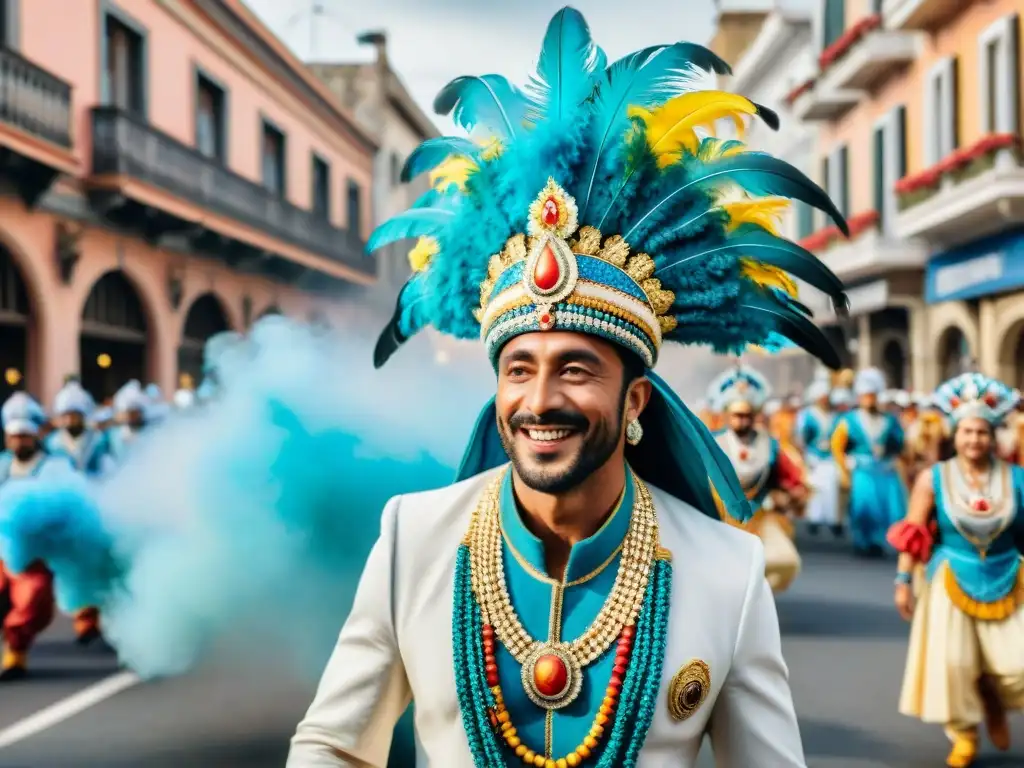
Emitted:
<point x="688" y="689"/>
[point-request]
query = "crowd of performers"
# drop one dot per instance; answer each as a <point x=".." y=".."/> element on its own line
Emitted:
<point x="935" y="480"/>
<point x="75" y="435"/>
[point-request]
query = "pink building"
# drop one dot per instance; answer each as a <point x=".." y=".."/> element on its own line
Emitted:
<point x="169" y="170"/>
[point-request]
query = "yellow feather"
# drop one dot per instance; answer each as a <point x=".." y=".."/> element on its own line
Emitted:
<point x="765" y="213"/>
<point x="492" y="148"/>
<point x="768" y="276"/>
<point x="671" y="128"/>
<point x="455" y="170"/>
<point x="423" y="253"/>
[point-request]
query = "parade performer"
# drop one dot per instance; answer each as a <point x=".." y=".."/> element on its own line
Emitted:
<point x="25" y="589"/>
<point x="964" y="528"/>
<point x="87" y="448"/>
<point x="590" y="231"/>
<point x="772" y="482"/>
<point x="814" y="428"/>
<point x="866" y="444"/>
<point x="132" y="411"/>
<point x="90" y="452"/>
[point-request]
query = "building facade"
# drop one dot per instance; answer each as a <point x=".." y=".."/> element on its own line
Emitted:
<point x="918" y="108"/>
<point x="168" y="170"/>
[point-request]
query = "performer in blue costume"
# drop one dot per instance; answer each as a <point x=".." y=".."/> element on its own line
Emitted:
<point x="87" y="448"/>
<point x="814" y="433"/>
<point x="133" y="416"/>
<point x="771" y="480"/>
<point x="90" y="452"/>
<point x="26" y="586"/>
<point x="961" y="543"/>
<point x="585" y="224"/>
<point x="866" y="445"/>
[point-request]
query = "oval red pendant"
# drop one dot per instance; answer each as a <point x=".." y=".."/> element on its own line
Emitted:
<point x="743" y="455"/>
<point x="547" y="271"/>
<point x="980" y="505"/>
<point x="550" y="675"/>
<point x="550" y="212"/>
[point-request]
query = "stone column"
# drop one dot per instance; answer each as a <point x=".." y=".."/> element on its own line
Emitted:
<point x="865" y="344"/>
<point x="989" y="344"/>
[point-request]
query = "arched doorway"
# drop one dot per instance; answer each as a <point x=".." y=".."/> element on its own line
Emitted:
<point x="894" y="364"/>
<point x="114" y="338"/>
<point x="205" y="318"/>
<point x="14" y="321"/>
<point x="954" y="353"/>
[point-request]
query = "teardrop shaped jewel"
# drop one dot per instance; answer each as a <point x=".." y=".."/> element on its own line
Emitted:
<point x="547" y="271"/>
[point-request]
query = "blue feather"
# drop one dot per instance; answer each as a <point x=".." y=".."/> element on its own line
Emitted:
<point x="791" y="325"/>
<point x="415" y="222"/>
<point x="757" y="244"/>
<point x="432" y="152"/>
<point x="565" y="71"/>
<point x="759" y="174"/>
<point x="490" y="101"/>
<point x="649" y="76"/>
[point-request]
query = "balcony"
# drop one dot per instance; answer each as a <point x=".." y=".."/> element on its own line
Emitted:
<point x="920" y="15"/>
<point x="976" y="191"/>
<point x="35" y="126"/>
<point x="869" y="252"/>
<point x="144" y="177"/>
<point x="822" y="103"/>
<point x="876" y="56"/>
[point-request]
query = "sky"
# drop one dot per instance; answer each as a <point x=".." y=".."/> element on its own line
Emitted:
<point x="431" y="42"/>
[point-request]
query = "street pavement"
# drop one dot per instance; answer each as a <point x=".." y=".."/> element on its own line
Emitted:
<point x="843" y="641"/>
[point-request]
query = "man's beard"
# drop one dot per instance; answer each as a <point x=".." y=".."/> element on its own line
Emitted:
<point x="75" y="430"/>
<point x="597" y="447"/>
<point x="25" y="452"/>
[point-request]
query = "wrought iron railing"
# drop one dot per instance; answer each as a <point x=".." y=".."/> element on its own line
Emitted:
<point x="126" y="144"/>
<point x="33" y="100"/>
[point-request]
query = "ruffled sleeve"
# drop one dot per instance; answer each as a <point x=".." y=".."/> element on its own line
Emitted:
<point x="912" y="539"/>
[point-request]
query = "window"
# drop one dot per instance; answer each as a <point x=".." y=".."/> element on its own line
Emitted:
<point x="804" y="220"/>
<point x="835" y="21"/>
<point x="273" y="154"/>
<point x="396" y="169"/>
<point x="321" y="188"/>
<point x="211" y="119"/>
<point x="354" y="208"/>
<point x="941" y="111"/>
<point x="880" y="181"/>
<point x="876" y="7"/>
<point x="124" y="71"/>
<point x="999" y="86"/>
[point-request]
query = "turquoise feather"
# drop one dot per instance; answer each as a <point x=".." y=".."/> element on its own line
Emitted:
<point x="566" y="69"/>
<point x="792" y="325"/>
<point x="487" y="101"/>
<point x="416" y="222"/>
<point x="432" y="152"/>
<point x="652" y="75"/>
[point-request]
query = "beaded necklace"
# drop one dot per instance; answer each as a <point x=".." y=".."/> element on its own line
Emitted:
<point x="635" y="617"/>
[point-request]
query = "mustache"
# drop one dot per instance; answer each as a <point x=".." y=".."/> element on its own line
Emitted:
<point x="559" y="418"/>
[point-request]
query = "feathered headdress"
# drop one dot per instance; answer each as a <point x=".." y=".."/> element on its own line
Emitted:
<point x="739" y="385"/>
<point x="594" y="200"/>
<point x="974" y="395"/>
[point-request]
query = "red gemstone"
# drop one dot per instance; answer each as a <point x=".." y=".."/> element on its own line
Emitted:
<point x="615" y="683"/>
<point x="550" y="675"/>
<point x="547" y="271"/>
<point x="550" y="212"/>
<point x="990" y="400"/>
<point x="955" y="402"/>
<point x="621" y="659"/>
<point x="619" y="670"/>
<point x="545" y="318"/>
<point x="980" y="505"/>
<point x="743" y="455"/>
<point x="488" y="631"/>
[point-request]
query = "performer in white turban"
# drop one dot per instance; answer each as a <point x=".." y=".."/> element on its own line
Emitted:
<point x="814" y="431"/>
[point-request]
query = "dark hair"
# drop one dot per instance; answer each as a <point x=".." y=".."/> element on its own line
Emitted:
<point x="633" y="367"/>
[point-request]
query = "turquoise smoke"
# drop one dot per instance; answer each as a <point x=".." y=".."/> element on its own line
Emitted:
<point x="243" y="526"/>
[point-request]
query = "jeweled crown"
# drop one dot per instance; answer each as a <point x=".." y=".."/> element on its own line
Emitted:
<point x="559" y="275"/>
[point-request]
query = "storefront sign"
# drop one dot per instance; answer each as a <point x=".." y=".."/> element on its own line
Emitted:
<point x="993" y="265"/>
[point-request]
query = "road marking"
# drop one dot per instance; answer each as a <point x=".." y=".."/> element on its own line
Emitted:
<point x="67" y="708"/>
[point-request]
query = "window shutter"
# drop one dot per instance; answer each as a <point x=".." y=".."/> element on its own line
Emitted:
<point x="951" y="112"/>
<point x="900" y="140"/>
<point x="879" y="172"/>
<point x="844" y="180"/>
<point x="1013" y="86"/>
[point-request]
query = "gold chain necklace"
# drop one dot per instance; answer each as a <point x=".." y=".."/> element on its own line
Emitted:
<point x="561" y="661"/>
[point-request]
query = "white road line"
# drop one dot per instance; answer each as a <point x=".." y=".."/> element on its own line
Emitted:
<point x="67" y="708"/>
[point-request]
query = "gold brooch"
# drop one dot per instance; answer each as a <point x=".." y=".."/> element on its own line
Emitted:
<point x="688" y="689"/>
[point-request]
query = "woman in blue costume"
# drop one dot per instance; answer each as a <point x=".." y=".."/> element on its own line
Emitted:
<point x="961" y="544"/>
<point x="866" y="444"/>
